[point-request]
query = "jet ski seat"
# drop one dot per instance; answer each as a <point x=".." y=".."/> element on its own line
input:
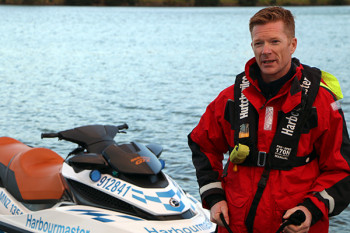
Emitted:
<point x="31" y="175"/>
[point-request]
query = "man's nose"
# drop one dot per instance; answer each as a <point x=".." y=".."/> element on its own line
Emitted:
<point x="266" y="49"/>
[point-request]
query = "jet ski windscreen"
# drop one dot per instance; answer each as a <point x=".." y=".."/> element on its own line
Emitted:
<point x="133" y="158"/>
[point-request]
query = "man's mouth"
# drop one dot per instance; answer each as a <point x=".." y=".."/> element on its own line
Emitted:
<point x="268" y="61"/>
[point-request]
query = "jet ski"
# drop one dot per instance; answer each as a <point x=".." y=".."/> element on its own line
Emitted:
<point x="100" y="187"/>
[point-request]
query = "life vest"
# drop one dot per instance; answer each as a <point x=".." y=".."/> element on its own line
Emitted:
<point x="284" y="147"/>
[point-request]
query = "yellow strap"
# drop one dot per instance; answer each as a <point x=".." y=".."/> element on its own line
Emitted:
<point x="332" y="84"/>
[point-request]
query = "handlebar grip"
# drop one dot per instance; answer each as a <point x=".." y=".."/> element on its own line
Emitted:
<point x="297" y="218"/>
<point x="49" y="135"/>
<point x="123" y="126"/>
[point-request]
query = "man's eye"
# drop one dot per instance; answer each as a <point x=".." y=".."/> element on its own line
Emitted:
<point x="258" y="43"/>
<point x="275" y="41"/>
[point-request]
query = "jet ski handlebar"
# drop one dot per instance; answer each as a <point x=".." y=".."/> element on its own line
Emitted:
<point x="123" y="126"/>
<point x="61" y="134"/>
<point x="49" y="135"/>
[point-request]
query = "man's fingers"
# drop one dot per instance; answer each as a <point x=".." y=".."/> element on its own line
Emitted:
<point x="296" y="229"/>
<point x="216" y="210"/>
<point x="216" y="219"/>
<point x="225" y="214"/>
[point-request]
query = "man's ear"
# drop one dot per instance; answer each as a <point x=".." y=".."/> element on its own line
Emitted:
<point x="294" y="43"/>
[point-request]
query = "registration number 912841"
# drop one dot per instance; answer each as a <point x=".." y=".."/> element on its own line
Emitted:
<point x="112" y="185"/>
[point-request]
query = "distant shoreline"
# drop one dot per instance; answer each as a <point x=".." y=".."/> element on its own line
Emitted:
<point x="178" y="3"/>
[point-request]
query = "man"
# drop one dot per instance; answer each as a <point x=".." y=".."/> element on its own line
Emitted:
<point x="286" y="135"/>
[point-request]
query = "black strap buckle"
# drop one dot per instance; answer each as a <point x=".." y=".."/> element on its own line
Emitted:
<point x="261" y="159"/>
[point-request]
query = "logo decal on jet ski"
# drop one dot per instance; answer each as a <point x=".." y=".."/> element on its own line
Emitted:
<point x="140" y="159"/>
<point x="174" y="203"/>
<point x="162" y="198"/>
<point x="204" y="226"/>
<point x="40" y="224"/>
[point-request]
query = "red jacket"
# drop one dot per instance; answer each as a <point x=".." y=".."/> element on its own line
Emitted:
<point x="323" y="185"/>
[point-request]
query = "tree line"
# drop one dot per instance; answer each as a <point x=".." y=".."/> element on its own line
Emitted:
<point x="177" y="2"/>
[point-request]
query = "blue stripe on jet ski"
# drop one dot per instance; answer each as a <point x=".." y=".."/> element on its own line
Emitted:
<point x="95" y="213"/>
<point x="103" y="219"/>
<point x="139" y="198"/>
<point x="169" y="193"/>
<point x="137" y="191"/>
<point x="179" y="194"/>
<point x="99" y="215"/>
<point x="192" y="199"/>
<point x="129" y="217"/>
<point x="82" y="210"/>
<point x="154" y="199"/>
<point x="192" y="207"/>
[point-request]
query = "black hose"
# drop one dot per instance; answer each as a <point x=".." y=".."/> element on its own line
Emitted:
<point x="225" y="223"/>
<point x="297" y="218"/>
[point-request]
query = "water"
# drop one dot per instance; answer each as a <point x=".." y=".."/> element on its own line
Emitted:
<point x="154" y="68"/>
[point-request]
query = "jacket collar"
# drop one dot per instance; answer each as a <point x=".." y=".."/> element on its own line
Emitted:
<point x="291" y="90"/>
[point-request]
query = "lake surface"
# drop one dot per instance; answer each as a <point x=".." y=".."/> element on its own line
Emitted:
<point x="154" y="68"/>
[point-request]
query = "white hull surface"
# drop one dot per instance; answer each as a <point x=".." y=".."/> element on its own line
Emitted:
<point x="67" y="218"/>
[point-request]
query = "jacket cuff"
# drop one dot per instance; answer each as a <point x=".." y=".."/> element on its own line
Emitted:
<point x="314" y="210"/>
<point x="211" y="200"/>
<point x="211" y="189"/>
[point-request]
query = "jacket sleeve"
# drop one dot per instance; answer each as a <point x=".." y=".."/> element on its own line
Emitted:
<point x="331" y="191"/>
<point x="208" y="143"/>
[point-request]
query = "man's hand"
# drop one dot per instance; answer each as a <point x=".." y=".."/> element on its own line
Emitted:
<point x="304" y="227"/>
<point x="216" y="210"/>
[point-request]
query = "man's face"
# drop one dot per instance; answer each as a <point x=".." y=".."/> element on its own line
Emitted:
<point x="273" y="49"/>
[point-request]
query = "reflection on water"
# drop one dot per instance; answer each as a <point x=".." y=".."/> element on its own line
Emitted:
<point x="154" y="68"/>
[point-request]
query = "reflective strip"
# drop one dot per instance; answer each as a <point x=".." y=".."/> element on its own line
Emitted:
<point x="330" y="199"/>
<point x="332" y="84"/>
<point x="336" y="105"/>
<point x="210" y="186"/>
<point x="268" y="118"/>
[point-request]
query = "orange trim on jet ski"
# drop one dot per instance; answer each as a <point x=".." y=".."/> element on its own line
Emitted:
<point x="38" y="174"/>
<point x="37" y="170"/>
<point x="9" y="147"/>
